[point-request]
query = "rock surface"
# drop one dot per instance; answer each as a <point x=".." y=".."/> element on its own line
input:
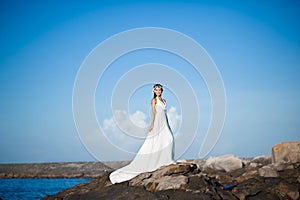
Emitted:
<point x="286" y="152"/>
<point x="167" y="177"/>
<point x="191" y="180"/>
<point x="225" y="163"/>
<point x="268" y="171"/>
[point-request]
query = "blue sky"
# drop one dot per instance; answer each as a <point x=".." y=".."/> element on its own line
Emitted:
<point x="255" y="45"/>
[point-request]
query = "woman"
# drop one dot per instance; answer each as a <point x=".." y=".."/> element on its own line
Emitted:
<point x="157" y="149"/>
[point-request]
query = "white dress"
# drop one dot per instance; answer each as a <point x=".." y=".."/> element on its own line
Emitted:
<point x="156" y="151"/>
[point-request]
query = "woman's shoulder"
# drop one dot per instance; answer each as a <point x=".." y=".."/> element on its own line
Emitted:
<point x="153" y="101"/>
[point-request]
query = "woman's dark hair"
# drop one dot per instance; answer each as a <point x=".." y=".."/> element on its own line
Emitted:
<point x="157" y="86"/>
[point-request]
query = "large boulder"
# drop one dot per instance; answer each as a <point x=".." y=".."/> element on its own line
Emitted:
<point x="286" y="152"/>
<point x="225" y="163"/>
<point x="164" y="178"/>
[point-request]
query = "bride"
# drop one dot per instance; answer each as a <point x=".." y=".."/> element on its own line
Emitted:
<point x="157" y="149"/>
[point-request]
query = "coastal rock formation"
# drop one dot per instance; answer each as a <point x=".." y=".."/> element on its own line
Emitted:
<point x="245" y="179"/>
<point x="190" y="183"/>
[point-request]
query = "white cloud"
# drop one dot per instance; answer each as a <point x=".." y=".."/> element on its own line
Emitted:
<point x="174" y="119"/>
<point x="127" y="131"/>
<point x="134" y="125"/>
<point x="109" y="124"/>
<point x="139" y="119"/>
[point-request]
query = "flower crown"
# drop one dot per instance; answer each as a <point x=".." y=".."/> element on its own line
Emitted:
<point x="159" y="86"/>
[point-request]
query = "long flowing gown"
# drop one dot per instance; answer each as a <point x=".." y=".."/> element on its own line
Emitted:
<point x="156" y="151"/>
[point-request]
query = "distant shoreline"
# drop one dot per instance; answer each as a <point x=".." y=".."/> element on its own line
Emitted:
<point x="58" y="169"/>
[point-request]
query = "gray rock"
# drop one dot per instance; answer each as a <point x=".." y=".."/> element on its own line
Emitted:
<point x="262" y="160"/>
<point x="286" y="152"/>
<point x="247" y="175"/>
<point x="138" y="180"/>
<point x="169" y="182"/>
<point x="225" y="163"/>
<point x="253" y="165"/>
<point x="267" y="171"/>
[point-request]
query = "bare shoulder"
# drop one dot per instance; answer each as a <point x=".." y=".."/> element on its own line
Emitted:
<point x="153" y="101"/>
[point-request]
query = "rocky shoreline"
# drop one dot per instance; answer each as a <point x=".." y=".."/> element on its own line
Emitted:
<point x="226" y="177"/>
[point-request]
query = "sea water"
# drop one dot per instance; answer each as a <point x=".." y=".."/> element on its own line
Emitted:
<point x="26" y="188"/>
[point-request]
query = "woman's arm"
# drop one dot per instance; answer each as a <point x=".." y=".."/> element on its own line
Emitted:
<point x="153" y="102"/>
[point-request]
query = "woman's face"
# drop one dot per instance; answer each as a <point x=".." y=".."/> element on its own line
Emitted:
<point x="157" y="91"/>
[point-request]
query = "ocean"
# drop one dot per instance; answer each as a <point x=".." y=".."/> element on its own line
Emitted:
<point x="30" y="188"/>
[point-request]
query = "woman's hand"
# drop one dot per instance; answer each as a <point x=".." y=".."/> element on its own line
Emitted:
<point x="151" y="128"/>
